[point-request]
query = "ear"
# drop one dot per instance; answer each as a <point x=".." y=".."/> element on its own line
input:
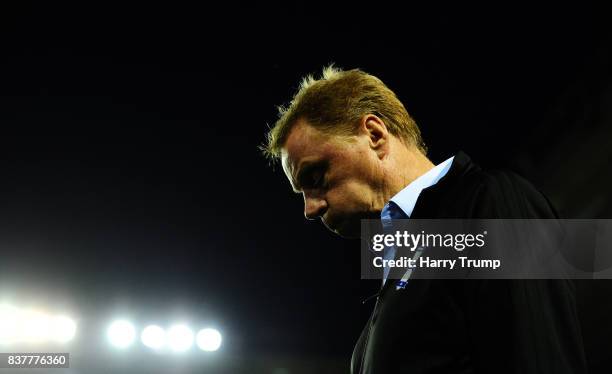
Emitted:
<point x="376" y="131"/>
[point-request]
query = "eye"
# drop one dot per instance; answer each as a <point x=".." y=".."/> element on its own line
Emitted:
<point x="313" y="176"/>
<point x="314" y="180"/>
<point x="317" y="179"/>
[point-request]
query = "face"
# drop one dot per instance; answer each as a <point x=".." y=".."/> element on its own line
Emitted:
<point x="340" y="178"/>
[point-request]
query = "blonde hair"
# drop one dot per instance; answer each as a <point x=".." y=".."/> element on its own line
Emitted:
<point x="336" y="102"/>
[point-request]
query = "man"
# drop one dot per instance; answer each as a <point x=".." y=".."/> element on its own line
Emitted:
<point x="348" y="145"/>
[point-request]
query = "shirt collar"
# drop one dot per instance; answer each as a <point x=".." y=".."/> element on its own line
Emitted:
<point x="406" y="199"/>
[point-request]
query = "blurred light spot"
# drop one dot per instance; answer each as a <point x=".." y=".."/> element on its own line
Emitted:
<point x="34" y="327"/>
<point x="180" y="338"/>
<point x="153" y="337"/>
<point x="121" y="334"/>
<point x="63" y="329"/>
<point x="208" y="339"/>
<point x="9" y="324"/>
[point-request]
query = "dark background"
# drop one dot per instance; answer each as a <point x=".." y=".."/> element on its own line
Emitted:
<point x="131" y="183"/>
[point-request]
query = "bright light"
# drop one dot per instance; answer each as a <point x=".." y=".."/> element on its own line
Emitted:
<point x="208" y="339"/>
<point x="153" y="337"/>
<point x="180" y="338"/>
<point x="34" y="326"/>
<point x="121" y="334"/>
<point x="63" y="329"/>
<point x="9" y="324"/>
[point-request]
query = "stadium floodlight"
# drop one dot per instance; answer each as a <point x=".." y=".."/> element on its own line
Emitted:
<point x="208" y="339"/>
<point x="121" y="333"/>
<point x="9" y="324"/>
<point x="34" y="326"/>
<point x="153" y="337"/>
<point x="180" y="338"/>
<point x="63" y="329"/>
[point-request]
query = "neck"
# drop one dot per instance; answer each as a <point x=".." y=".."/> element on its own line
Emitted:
<point x="404" y="168"/>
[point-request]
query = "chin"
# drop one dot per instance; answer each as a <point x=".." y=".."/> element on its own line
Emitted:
<point x="349" y="230"/>
<point x="349" y="235"/>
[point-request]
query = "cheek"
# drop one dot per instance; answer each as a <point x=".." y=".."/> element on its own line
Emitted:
<point x="349" y="196"/>
<point x="363" y="168"/>
<point x="353" y="188"/>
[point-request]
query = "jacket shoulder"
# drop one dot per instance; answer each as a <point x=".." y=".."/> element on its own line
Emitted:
<point x="502" y="193"/>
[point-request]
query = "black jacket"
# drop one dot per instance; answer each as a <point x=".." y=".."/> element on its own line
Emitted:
<point x="474" y="326"/>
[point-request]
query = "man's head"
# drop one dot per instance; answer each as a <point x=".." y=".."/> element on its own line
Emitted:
<point x="347" y="144"/>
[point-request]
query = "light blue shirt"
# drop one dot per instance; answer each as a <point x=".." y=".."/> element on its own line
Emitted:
<point x="402" y="204"/>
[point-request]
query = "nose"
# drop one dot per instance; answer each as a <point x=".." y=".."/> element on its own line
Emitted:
<point x="314" y="207"/>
